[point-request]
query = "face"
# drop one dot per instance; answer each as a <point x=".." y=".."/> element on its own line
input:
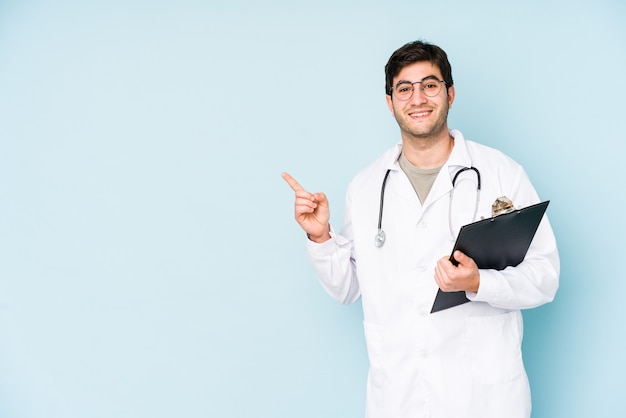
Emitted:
<point x="421" y="116"/>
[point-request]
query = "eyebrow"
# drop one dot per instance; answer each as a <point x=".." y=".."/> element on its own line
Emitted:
<point x="428" y="77"/>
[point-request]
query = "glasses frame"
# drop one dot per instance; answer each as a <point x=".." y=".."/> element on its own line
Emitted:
<point x="412" y="84"/>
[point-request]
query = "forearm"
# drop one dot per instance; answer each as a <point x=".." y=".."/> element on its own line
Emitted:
<point x="532" y="283"/>
<point x="334" y="265"/>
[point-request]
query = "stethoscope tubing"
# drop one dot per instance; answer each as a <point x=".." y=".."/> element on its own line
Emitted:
<point x="463" y="170"/>
<point x="380" y="237"/>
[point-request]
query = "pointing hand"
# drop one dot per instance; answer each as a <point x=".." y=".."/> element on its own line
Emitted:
<point x="311" y="211"/>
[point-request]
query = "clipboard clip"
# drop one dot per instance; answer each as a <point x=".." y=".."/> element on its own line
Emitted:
<point x="501" y="206"/>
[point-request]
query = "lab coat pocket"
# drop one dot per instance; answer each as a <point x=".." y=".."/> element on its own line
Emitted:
<point x="495" y="347"/>
<point x="375" y="378"/>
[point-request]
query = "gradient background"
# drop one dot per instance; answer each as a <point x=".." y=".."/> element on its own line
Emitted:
<point x="150" y="265"/>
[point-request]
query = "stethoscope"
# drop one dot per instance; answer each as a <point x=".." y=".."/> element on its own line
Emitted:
<point x="380" y="237"/>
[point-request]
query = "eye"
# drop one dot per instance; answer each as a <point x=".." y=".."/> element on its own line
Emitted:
<point x="404" y="88"/>
<point x="431" y="85"/>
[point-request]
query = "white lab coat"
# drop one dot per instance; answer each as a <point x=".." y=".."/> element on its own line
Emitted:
<point x="457" y="363"/>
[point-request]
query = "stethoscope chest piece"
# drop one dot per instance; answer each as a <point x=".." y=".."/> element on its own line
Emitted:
<point x="379" y="239"/>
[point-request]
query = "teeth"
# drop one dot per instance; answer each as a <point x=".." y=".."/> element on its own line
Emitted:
<point x="420" y="114"/>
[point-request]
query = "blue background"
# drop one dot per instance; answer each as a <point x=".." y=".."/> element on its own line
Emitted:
<point x="150" y="265"/>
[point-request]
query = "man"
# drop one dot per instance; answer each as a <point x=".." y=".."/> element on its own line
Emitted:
<point x="465" y="361"/>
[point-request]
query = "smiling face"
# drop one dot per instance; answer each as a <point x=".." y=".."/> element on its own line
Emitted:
<point x="421" y="117"/>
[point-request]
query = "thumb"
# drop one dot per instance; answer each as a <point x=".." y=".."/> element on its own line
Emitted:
<point x="321" y="198"/>
<point x="460" y="257"/>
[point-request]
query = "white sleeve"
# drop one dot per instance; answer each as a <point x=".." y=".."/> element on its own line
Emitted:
<point x="532" y="283"/>
<point x="535" y="280"/>
<point x="334" y="262"/>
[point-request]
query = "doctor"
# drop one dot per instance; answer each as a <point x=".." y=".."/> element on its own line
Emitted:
<point x="465" y="361"/>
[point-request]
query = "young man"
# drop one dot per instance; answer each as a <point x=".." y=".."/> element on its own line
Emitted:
<point x="393" y="252"/>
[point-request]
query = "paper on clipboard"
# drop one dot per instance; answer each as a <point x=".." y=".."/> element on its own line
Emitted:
<point x="494" y="243"/>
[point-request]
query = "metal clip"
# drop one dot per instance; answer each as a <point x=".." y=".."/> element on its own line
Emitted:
<point x="501" y="206"/>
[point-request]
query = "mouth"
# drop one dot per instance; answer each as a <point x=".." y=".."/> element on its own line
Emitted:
<point x="418" y="114"/>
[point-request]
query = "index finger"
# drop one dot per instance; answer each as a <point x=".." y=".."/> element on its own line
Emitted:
<point x="295" y="186"/>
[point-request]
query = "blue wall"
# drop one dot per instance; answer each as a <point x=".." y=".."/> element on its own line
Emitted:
<point x="150" y="265"/>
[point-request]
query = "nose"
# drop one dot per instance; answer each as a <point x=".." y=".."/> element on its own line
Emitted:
<point x="418" y="95"/>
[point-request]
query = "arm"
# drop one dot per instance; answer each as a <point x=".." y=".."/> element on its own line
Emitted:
<point x="335" y="267"/>
<point x="532" y="283"/>
<point x="330" y="253"/>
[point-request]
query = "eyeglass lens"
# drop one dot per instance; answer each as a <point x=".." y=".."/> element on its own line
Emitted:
<point x="430" y="87"/>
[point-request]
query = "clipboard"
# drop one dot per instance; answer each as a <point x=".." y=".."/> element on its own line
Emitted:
<point x="494" y="243"/>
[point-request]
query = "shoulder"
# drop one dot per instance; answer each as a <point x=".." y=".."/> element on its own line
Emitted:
<point x="481" y="152"/>
<point x="479" y="149"/>
<point x="502" y="173"/>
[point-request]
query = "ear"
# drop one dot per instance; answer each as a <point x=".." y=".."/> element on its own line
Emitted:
<point x="389" y="103"/>
<point x="451" y="95"/>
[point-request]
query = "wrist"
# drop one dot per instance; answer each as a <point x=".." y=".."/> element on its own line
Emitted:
<point x="476" y="284"/>
<point x="320" y="238"/>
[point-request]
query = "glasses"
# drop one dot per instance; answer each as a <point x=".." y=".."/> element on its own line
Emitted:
<point x="430" y="86"/>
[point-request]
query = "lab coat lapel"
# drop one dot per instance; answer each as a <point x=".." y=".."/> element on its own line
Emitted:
<point x="403" y="188"/>
<point x="464" y="194"/>
<point x="459" y="157"/>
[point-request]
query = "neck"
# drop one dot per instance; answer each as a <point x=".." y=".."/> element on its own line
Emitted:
<point x="428" y="152"/>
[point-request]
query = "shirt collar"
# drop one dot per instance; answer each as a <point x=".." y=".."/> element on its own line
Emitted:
<point x="459" y="157"/>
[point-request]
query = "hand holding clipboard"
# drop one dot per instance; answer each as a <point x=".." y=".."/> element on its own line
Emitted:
<point x="494" y="243"/>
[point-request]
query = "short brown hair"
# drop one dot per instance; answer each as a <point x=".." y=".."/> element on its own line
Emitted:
<point x="417" y="51"/>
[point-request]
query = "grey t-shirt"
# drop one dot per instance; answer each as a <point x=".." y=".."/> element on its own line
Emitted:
<point x="421" y="179"/>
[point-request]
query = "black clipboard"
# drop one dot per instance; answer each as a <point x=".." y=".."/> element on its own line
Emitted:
<point x="494" y="243"/>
